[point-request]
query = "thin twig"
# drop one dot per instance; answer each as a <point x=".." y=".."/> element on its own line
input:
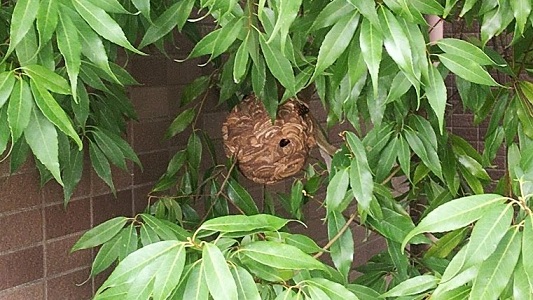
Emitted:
<point x="337" y="236"/>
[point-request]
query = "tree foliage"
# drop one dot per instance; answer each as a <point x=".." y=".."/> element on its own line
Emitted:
<point x="370" y="62"/>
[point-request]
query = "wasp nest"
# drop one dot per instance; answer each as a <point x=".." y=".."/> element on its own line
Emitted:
<point x="267" y="151"/>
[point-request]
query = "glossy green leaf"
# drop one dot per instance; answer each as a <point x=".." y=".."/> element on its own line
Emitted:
<point x="371" y="43"/>
<point x="404" y="156"/>
<point x="463" y="278"/>
<point x="47" y="19"/>
<point x="180" y="123"/>
<point x="101" y="165"/>
<point x="465" y="50"/>
<point x="394" y="226"/>
<point x="101" y="22"/>
<point x="367" y="8"/>
<point x="111" y="6"/>
<point x="468" y="5"/>
<point x="335" y="42"/>
<point x="280" y="256"/>
<point x="527" y="247"/>
<point x="217" y="274"/>
<point x="521" y="11"/>
<point x="144" y="258"/>
<point x="69" y="45"/>
<point x="130" y="241"/>
<point x="337" y="188"/>
<point x="173" y="16"/>
<point x="5" y="132"/>
<point x="303" y="242"/>
<point x="72" y="172"/>
<point x="125" y="148"/>
<point x="495" y="272"/>
<point x="100" y="234"/>
<point x="331" y="14"/>
<point x="48" y="79"/>
<point x="107" y="254"/>
<point x="286" y="14"/>
<point x="467" y="69"/>
<point x="241" y="61"/>
<point x="143" y="6"/>
<point x="522" y="286"/>
<point x="496" y="20"/>
<point x="241" y="198"/>
<point x="413" y="286"/>
<point x="333" y="290"/>
<point x="168" y="277"/>
<point x="53" y="111"/>
<point x="473" y="166"/>
<point x="19" y="109"/>
<point x="27" y="49"/>
<point x="363" y="292"/>
<point x="242" y="223"/>
<point x="194" y="89"/>
<point x="431" y="7"/>
<point x="342" y="251"/>
<point x="196" y="286"/>
<point x="24" y="13"/>
<point x="279" y="65"/>
<point x="455" y="214"/>
<point x="194" y="151"/>
<point x="427" y="154"/>
<point x="41" y="136"/>
<point x="246" y="286"/>
<point x="7" y="82"/>
<point x="487" y="233"/>
<point x="446" y="244"/>
<point x="436" y="94"/>
<point x="361" y="179"/>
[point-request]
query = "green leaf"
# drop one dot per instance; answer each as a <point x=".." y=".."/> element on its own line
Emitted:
<point x="24" y="13"/>
<point x="527" y="247"/>
<point x="368" y="9"/>
<point x="19" y="109"/>
<point x="148" y="235"/>
<point x="130" y="241"/>
<point x="303" y="242"/>
<point x="103" y="24"/>
<point x="241" y="198"/>
<point x="279" y="65"/>
<point x="473" y="167"/>
<point x="180" y="123"/>
<point x="335" y="42"/>
<point x="41" y="136"/>
<point x="496" y="271"/>
<point x="465" y="50"/>
<point x="371" y="43"/>
<point x="70" y="46"/>
<point x="53" y="111"/>
<point x="337" y="188"/>
<point x="144" y="258"/>
<point x="286" y="14"/>
<point x="521" y="11"/>
<point x="436" y="94"/>
<point x="363" y="292"/>
<point x="455" y="214"/>
<point x="242" y="223"/>
<point x="427" y="153"/>
<point x="280" y="256"/>
<point x="194" y="150"/>
<point x="7" y="82"/>
<point x="342" y="250"/>
<point x="246" y="286"/>
<point x="430" y="7"/>
<point x="101" y="165"/>
<point x="412" y="286"/>
<point x="72" y="172"/>
<point x="467" y="69"/>
<point x="316" y="293"/>
<point x="47" y="18"/>
<point x="522" y="286"/>
<point x="173" y="16"/>
<point x="108" y="253"/>
<point x="217" y="274"/>
<point x="396" y="43"/>
<point x="495" y="21"/>
<point x="333" y="290"/>
<point x="48" y="79"/>
<point x="241" y="61"/>
<point x="360" y="175"/>
<point x="100" y="234"/>
<point x="196" y="287"/>
<point x="5" y="132"/>
<point x="126" y="149"/>
<point x="144" y="7"/>
<point x="459" y="280"/>
<point x="168" y="277"/>
<point x="446" y="244"/>
<point x="404" y="156"/>
<point x="331" y="14"/>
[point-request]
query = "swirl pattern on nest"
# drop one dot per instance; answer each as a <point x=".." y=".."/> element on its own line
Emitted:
<point x="268" y="152"/>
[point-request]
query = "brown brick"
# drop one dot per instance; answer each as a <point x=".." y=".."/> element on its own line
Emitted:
<point x="184" y="72"/>
<point x="72" y="286"/>
<point x="149" y="70"/>
<point x="21" y="230"/>
<point x="107" y="206"/>
<point x="140" y="197"/>
<point x="122" y="179"/>
<point x="33" y="291"/>
<point x="150" y="102"/>
<point x="149" y="136"/>
<point x="60" y="222"/>
<point x="21" y="267"/>
<point x="155" y="164"/>
<point x="60" y="260"/>
<point x="19" y="191"/>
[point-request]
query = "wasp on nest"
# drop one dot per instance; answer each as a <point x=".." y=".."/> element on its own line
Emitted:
<point x="266" y="151"/>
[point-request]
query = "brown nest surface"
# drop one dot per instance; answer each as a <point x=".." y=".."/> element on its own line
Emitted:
<point x="266" y="151"/>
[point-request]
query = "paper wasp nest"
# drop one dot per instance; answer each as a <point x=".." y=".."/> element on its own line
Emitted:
<point x="267" y="152"/>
